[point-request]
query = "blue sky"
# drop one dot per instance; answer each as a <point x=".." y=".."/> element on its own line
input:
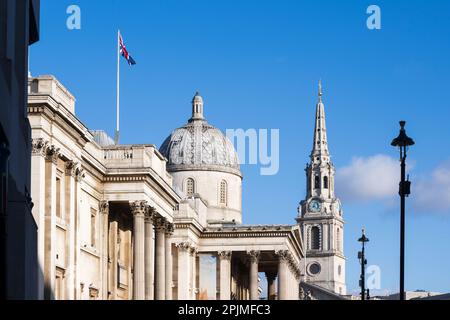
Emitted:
<point x="257" y="64"/>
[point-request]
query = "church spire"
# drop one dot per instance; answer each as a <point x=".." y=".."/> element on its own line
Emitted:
<point x="320" y="148"/>
<point x="197" y="107"/>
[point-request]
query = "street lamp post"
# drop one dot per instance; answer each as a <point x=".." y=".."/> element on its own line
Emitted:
<point x="403" y="142"/>
<point x="362" y="258"/>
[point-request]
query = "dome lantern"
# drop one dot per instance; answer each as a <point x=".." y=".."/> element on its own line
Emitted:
<point x="199" y="146"/>
<point x="197" y="107"/>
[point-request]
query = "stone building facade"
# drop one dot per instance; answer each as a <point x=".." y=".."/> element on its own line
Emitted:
<point x="134" y="222"/>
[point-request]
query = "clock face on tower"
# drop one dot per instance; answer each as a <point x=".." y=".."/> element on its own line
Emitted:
<point x="315" y="206"/>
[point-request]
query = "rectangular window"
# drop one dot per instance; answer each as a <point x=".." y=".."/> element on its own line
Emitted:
<point x="59" y="284"/>
<point x="58" y="198"/>
<point x="93" y="227"/>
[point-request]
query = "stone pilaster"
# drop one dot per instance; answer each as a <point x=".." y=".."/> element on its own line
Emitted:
<point x="183" y="270"/>
<point x="160" y="264"/>
<point x="39" y="152"/>
<point x="225" y="274"/>
<point x="70" y="192"/>
<point x="149" y="254"/>
<point x="253" y="274"/>
<point x="138" y="209"/>
<point x="51" y="157"/>
<point x="193" y="257"/>
<point x="104" y="211"/>
<point x="168" y="244"/>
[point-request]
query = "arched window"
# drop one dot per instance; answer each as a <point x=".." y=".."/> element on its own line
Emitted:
<point x="315" y="238"/>
<point x="325" y="182"/>
<point x="223" y="194"/>
<point x="190" y="187"/>
<point x="338" y="239"/>
<point x="316" y="182"/>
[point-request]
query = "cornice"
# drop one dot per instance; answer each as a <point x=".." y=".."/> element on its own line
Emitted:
<point x="244" y="234"/>
<point x="70" y="123"/>
<point x="168" y="194"/>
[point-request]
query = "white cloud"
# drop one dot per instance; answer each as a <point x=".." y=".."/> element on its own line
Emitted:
<point x="370" y="178"/>
<point x="431" y="193"/>
<point x="377" y="177"/>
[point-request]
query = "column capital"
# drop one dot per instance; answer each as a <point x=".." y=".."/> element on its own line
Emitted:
<point x="253" y="256"/>
<point x="103" y="207"/>
<point x="194" y="250"/>
<point x="150" y="214"/>
<point x="71" y="168"/>
<point x="224" y="255"/>
<point x="283" y="255"/>
<point x="138" y="208"/>
<point x="39" y="147"/>
<point x="79" y="174"/>
<point x="160" y="223"/>
<point x="52" y="154"/>
<point x="169" y="227"/>
<point x="184" y="246"/>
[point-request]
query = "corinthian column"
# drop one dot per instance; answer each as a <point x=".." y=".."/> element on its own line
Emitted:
<point x="271" y="292"/>
<point x="160" y="265"/>
<point x="138" y="209"/>
<point x="253" y="279"/>
<point x="149" y="254"/>
<point x="225" y="275"/>
<point x="283" y="265"/>
<point x="168" y="245"/>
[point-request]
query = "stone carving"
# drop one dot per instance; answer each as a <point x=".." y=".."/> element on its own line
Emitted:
<point x="52" y="154"/>
<point x="79" y="174"/>
<point x="224" y="255"/>
<point x="39" y="147"/>
<point x="103" y="207"/>
<point x="169" y="228"/>
<point x="184" y="246"/>
<point x="71" y="168"/>
<point x="283" y="255"/>
<point x="253" y="256"/>
<point x="160" y="223"/>
<point x="150" y="214"/>
<point x="138" y="208"/>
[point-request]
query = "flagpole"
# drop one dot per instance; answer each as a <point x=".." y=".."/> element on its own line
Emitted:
<point x="116" y="137"/>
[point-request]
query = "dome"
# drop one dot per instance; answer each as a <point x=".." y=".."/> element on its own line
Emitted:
<point x="199" y="146"/>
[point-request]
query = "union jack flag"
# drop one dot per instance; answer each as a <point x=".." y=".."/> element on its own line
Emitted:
<point x="124" y="51"/>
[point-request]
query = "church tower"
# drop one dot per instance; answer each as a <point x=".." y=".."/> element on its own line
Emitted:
<point x="320" y="214"/>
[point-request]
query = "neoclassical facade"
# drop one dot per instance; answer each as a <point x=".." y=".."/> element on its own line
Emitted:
<point x="118" y="222"/>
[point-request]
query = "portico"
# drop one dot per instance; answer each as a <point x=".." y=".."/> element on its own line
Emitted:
<point x="240" y="255"/>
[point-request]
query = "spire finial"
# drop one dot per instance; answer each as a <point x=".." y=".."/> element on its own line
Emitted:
<point x="320" y="90"/>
